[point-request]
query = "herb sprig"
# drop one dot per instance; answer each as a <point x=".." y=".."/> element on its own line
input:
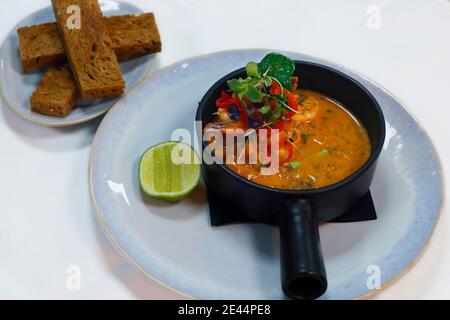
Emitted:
<point x="263" y="92"/>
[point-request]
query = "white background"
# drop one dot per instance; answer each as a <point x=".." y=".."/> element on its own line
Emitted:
<point x="47" y="221"/>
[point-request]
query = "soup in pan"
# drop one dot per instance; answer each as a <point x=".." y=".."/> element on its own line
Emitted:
<point x="320" y="142"/>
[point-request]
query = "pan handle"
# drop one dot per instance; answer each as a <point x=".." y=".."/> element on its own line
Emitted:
<point x="303" y="273"/>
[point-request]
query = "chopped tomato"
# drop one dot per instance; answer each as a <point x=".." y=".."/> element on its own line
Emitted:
<point x="224" y="100"/>
<point x="274" y="88"/>
<point x="292" y="102"/>
<point x="290" y="114"/>
<point x="280" y="124"/>
<point x="273" y="104"/>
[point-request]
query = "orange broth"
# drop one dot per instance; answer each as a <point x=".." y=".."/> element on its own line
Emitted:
<point x="327" y="144"/>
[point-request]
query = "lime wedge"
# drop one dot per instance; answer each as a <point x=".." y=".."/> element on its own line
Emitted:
<point x="169" y="171"/>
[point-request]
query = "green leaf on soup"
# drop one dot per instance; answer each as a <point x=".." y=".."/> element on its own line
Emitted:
<point x="252" y="69"/>
<point x="265" y="108"/>
<point x="324" y="152"/>
<point x="304" y="137"/>
<point x="278" y="66"/>
<point x="250" y="81"/>
<point x="253" y="94"/>
<point x="236" y="85"/>
<point x="294" y="164"/>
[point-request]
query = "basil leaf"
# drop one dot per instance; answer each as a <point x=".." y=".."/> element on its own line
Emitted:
<point x="265" y="108"/>
<point x="251" y="81"/>
<point x="236" y="85"/>
<point x="278" y="66"/>
<point x="252" y="69"/>
<point x="253" y="94"/>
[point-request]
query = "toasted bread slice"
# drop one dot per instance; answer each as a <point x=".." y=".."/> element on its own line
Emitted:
<point x="131" y="36"/>
<point x="89" y="49"/>
<point x="55" y="94"/>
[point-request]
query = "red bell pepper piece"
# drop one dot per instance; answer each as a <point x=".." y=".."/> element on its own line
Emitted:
<point x="280" y="125"/>
<point x="292" y="102"/>
<point x="274" y="88"/>
<point x="273" y="104"/>
<point x="224" y="100"/>
<point x="290" y="115"/>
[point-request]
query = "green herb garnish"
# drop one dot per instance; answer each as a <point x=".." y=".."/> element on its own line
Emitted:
<point x="304" y="137"/>
<point x="263" y="92"/>
<point x="294" y="164"/>
<point x="324" y="152"/>
<point x="252" y="69"/>
<point x="278" y="66"/>
<point x="265" y="108"/>
<point x="253" y="94"/>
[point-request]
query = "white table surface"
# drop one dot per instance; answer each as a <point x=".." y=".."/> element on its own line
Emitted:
<point x="47" y="221"/>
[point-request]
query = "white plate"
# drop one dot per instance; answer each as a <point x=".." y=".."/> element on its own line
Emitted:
<point x="175" y="244"/>
<point x="17" y="87"/>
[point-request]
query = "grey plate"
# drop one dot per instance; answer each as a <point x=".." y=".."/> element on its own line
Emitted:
<point x="175" y="244"/>
<point x="16" y="87"/>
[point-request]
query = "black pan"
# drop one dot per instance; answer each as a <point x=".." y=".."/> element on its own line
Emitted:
<point x="298" y="213"/>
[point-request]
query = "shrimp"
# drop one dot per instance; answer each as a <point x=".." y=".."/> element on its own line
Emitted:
<point x="307" y="110"/>
<point x="223" y="115"/>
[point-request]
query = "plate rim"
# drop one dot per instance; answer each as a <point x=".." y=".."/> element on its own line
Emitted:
<point x="371" y="293"/>
<point x="63" y="123"/>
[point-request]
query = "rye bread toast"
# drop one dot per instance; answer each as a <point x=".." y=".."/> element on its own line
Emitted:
<point x="55" y="94"/>
<point x="89" y="49"/>
<point x="131" y="36"/>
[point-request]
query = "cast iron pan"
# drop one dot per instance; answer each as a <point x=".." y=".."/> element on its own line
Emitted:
<point x="298" y="213"/>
